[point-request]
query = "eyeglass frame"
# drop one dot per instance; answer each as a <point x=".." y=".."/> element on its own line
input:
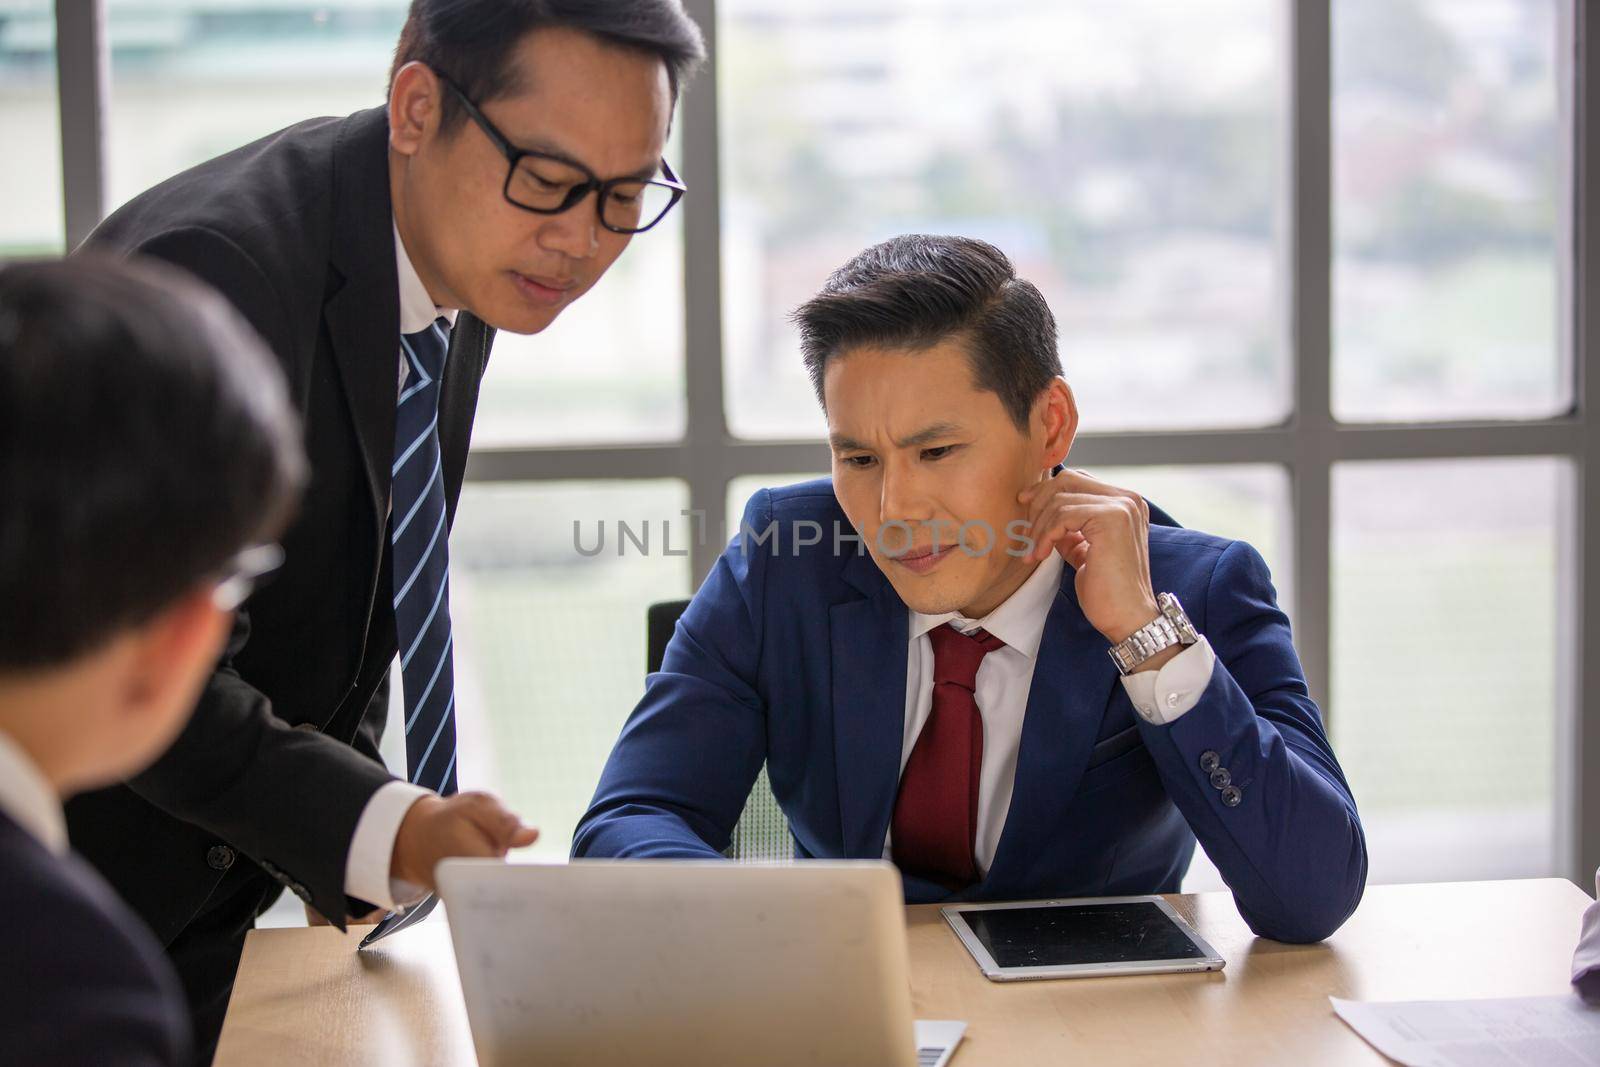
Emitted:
<point x="576" y="195"/>
<point x="243" y="573"/>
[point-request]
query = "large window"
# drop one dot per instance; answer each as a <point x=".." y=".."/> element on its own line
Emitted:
<point x="194" y="78"/>
<point x="1446" y="278"/>
<point x="1313" y="269"/>
<point x="30" y="180"/>
<point x="1129" y="160"/>
<point x="548" y="595"/>
<point x="1446" y="648"/>
<point x="1447" y="183"/>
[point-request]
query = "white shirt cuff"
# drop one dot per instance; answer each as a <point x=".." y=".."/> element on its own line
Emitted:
<point x="1164" y="696"/>
<point x="366" y="871"/>
<point x="1586" y="960"/>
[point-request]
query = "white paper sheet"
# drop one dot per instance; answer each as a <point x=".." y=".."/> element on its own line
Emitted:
<point x="1537" y="1031"/>
<point x="937" y="1040"/>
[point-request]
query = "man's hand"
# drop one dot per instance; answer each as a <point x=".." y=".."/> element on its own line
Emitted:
<point x="467" y="824"/>
<point x="1103" y="533"/>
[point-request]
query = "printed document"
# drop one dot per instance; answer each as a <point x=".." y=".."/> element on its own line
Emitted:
<point x="1539" y="1031"/>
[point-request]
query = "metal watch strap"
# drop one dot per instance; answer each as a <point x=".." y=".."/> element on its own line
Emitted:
<point x="1171" y="627"/>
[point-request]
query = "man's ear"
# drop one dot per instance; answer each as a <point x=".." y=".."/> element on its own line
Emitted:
<point x="415" y="102"/>
<point x="175" y="652"/>
<point x="1055" y="417"/>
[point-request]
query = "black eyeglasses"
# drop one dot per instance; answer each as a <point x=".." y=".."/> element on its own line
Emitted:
<point x="548" y="185"/>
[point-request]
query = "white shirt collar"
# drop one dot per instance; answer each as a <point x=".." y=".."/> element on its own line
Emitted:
<point x="417" y="309"/>
<point x="29" y="799"/>
<point x="1018" y="621"/>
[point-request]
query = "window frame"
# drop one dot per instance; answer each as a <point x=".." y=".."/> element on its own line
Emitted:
<point x="1308" y="444"/>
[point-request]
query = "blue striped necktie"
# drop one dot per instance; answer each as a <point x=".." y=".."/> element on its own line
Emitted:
<point x="421" y="560"/>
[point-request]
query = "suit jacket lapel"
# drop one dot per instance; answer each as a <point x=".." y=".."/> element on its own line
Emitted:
<point x="1072" y="683"/>
<point x="458" y="400"/>
<point x="363" y="311"/>
<point x="363" y="315"/>
<point x="869" y="639"/>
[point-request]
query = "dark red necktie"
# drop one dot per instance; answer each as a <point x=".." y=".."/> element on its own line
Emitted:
<point x="936" y="813"/>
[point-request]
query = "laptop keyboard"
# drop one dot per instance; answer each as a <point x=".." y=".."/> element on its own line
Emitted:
<point x="936" y="1040"/>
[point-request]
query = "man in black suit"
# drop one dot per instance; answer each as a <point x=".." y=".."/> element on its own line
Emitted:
<point x="520" y="151"/>
<point x="148" y="457"/>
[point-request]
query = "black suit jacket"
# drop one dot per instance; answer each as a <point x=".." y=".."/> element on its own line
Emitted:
<point x="281" y="756"/>
<point x="83" y="982"/>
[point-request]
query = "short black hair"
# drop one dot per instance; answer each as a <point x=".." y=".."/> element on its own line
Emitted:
<point x="146" y="438"/>
<point x="917" y="290"/>
<point x="471" y="42"/>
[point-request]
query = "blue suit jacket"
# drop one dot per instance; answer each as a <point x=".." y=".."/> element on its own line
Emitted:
<point x="796" y="654"/>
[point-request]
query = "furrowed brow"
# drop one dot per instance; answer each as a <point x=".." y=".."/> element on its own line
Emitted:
<point x="929" y="433"/>
<point x="840" y="443"/>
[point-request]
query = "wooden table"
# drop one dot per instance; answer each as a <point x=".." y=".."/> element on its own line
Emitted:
<point x="304" y="996"/>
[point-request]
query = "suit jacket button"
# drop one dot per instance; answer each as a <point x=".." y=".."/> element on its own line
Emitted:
<point x="1231" y="796"/>
<point x="1220" y="778"/>
<point x="1209" y="761"/>
<point x="219" y="857"/>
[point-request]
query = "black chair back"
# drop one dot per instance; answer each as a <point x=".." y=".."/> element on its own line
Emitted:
<point x="659" y="622"/>
<point x="762" y="833"/>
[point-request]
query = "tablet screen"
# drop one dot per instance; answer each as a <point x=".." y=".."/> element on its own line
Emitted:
<point x="1080" y="933"/>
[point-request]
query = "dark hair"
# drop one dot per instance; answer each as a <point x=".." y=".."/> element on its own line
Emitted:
<point x="917" y="290"/>
<point x="146" y="438"/>
<point x="471" y="41"/>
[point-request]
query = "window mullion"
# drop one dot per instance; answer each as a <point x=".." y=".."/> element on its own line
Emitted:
<point x="1578" y="844"/>
<point x="83" y="76"/>
<point x="706" y="459"/>
<point x="1309" y="317"/>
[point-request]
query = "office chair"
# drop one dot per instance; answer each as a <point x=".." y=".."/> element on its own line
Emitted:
<point x="762" y="833"/>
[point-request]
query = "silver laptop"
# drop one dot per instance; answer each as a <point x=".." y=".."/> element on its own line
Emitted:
<point x="605" y="963"/>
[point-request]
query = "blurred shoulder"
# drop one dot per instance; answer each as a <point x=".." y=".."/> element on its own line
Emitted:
<point x="83" y="972"/>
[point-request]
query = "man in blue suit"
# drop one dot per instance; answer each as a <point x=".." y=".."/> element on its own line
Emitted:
<point x="917" y="647"/>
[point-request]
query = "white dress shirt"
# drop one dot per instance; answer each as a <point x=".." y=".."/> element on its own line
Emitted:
<point x="1006" y="675"/>
<point x="417" y="309"/>
<point x="366" y="871"/>
<point x="28" y="799"/>
<point x="1586" y="960"/>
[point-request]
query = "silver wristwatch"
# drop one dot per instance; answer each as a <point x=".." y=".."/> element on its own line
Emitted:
<point x="1171" y="627"/>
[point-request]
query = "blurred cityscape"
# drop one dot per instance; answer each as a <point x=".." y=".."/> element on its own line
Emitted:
<point x="1128" y="155"/>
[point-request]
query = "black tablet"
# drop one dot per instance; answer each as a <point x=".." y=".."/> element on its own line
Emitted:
<point x="1091" y="937"/>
